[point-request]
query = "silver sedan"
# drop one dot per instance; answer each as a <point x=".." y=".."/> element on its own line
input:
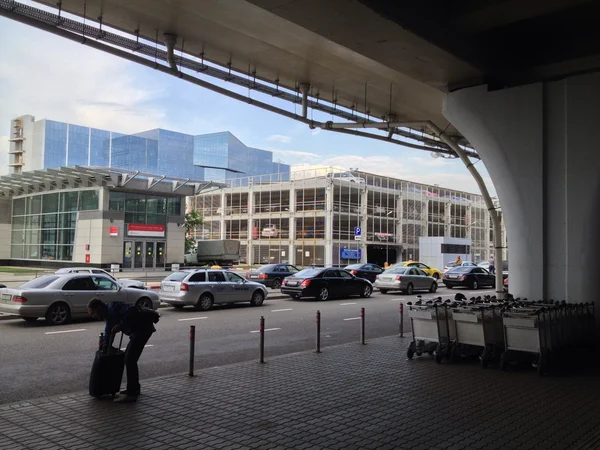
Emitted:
<point x="58" y="298"/>
<point x="124" y="282"/>
<point x="203" y="288"/>
<point x="405" y="279"/>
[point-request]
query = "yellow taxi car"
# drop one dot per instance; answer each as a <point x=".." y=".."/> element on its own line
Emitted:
<point x="431" y="271"/>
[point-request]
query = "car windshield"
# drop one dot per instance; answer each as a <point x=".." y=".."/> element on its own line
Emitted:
<point x="267" y="268"/>
<point x="308" y="273"/>
<point x="177" y="276"/>
<point x="40" y="282"/>
<point x="397" y="270"/>
<point x="353" y="266"/>
<point x="450" y="264"/>
<point x="462" y="269"/>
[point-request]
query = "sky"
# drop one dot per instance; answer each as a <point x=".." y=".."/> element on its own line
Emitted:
<point x="53" y="78"/>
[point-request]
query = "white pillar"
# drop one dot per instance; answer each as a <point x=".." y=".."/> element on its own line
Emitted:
<point x="539" y="143"/>
<point x="364" y="223"/>
<point x="329" y="223"/>
<point x="223" y="232"/>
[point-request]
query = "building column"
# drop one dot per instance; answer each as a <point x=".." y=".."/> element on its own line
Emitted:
<point x="539" y="143"/>
<point x="364" y="224"/>
<point x="329" y="223"/>
<point x="292" y="240"/>
<point x="249" y="238"/>
<point x="223" y="214"/>
<point x="447" y="219"/>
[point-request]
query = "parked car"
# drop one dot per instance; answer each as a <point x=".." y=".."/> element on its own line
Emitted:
<point x="472" y="277"/>
<point x="124" y="282"/>
<point x="405" y="279"/>
<point x="366" y="271"/>
<point x="346" y="176"/>
<point x="486" y="266"/>
<point x="271" y="275"/>
<point x="324" y="283"/>
<point x="451" y="265"/>
<point x="60" y="297"/>
<point x="202" y="288"/>
<point x="270" y="231"/>
<point x="431" y="271"/>
<point x="506" y="283"/>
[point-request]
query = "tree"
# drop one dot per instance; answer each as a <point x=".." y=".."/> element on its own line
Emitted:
<point x="193" y="220"/>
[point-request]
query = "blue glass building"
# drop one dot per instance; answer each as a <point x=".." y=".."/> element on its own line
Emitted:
<point x="210" y="157"/>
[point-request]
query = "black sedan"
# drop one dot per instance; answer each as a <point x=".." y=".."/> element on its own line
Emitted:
<point x="472" y="277"/>
<point x="325" y="283"/>
<point x="272" y="275"/>
<point x="367" y="271"/>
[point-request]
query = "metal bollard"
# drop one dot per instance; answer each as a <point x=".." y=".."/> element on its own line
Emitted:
<point x="192" y="349"/>
<point x="318" y="332"/>
<point x="362" y="326"/>
<point x="401" y="320"/>
<point x="100" y="341"/>
<point x="261" y="352"/>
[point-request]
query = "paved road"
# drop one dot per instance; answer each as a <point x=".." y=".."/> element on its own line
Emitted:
<point x="40" y="360"/>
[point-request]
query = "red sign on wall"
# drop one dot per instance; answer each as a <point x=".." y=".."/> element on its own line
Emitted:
<point x="87" y="258"/>
<point x="148" y="230"/>
<point x="113" y="231"/>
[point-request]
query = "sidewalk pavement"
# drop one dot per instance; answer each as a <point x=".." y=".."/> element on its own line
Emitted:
<point x="349" y="397"/>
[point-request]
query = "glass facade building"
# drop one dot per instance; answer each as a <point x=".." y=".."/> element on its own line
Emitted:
<point x="209" y="157"/>
<point x="311" y="218"/>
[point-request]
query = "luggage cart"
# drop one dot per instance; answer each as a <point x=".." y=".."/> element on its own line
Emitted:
<point x="479" y="331"/>
<point x="431" y="331"/>
<point x="527" y="330"/>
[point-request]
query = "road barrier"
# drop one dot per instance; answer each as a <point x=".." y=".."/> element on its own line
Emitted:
<point x="261" y="350"/>
<point x="192" y="350"/>
<point x="362" y="326"/>
<point x="318" y="350"/>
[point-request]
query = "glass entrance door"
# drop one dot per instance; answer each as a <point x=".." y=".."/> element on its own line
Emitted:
<point x="149" y="255"/>
<point x="160" y="255"/>
<point x="127" y="255"/>
<point x="138" y="257"/>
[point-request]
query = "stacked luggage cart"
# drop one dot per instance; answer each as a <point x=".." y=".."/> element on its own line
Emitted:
<point x="509" y="331"/>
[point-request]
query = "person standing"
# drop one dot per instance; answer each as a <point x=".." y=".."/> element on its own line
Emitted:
<point x="458" y="261"/>
<point x="135" y="322"/>
<point x="492" y="267"/>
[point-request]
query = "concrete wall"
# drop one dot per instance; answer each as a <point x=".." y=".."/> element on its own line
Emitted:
<point x="175" y="243"/>
<point x="539" y="144"/>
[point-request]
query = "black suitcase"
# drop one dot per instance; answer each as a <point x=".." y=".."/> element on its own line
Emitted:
<point x="107" y="371"/>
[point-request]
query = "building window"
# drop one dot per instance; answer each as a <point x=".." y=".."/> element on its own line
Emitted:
<point x="142" y="208"/>
<point x="44" y="224"/>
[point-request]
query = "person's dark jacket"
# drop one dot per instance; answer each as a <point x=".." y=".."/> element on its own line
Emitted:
<point x="131" y="318"/>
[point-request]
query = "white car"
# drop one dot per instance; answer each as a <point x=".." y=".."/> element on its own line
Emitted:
<point x="451" y="265"/>
<point x="60" y="297"/>
<point x="346" y="176"/>
<point x="270" y="231"/>
<point x="123" y="282"/>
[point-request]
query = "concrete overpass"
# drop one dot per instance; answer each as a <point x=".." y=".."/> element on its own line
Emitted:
<point x="516" y="80"/>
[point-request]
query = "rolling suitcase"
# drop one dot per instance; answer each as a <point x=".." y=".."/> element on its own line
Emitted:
<point x="107" y="371"/>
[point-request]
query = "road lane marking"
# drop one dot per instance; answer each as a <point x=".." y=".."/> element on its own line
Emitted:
<point x="191" y="318"/>
<point x="345" y="304"/>
<point x="278" y="310"/>
<point x="353" y="318"/>
<point x="65" y="331"/>
<point x="396" y="299"/>
<point x="266" y="329"/>
<point x="147" y="345"/>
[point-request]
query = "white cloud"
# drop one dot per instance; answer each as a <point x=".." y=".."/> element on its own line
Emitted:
<point x="279" y="138"/>
<point x="67" y="82"/>
<point x="4" y="146"/>
<point x="315" y="131"/>
<point x="294" y="156"/>
<point x="428" y="162"/>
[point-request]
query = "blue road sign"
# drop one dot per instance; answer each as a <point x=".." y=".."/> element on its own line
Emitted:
<point x="347" y="253"/>
<point x="357" y="231"/>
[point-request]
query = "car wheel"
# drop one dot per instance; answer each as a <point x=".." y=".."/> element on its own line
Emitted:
<point x="29" y="319"/>
<point x="383" y="291"/>
<point x="433" y="288"/>
<point x="145" y="302"/>
<point x="257" y="298"/>
<point x="436" y="276"/>
<point x="58" y="314"/>
<point x="474" y="284"/>
<point x="366" y="291"/>
<point x="323" y="294"/>
<point x="409" y="289"/>
<point x="204" y="303"/>
<point x="276" y="284"/>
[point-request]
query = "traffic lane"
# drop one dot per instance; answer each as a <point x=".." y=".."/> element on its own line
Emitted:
<point x="44" y="360"/>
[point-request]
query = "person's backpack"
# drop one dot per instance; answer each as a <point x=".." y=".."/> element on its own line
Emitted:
<point x="148" y="314"/>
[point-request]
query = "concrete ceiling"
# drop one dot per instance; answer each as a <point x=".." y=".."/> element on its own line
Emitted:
<point x="401" y="55"/>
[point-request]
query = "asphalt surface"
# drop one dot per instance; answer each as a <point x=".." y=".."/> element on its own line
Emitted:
<point x="41" y="360"/>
